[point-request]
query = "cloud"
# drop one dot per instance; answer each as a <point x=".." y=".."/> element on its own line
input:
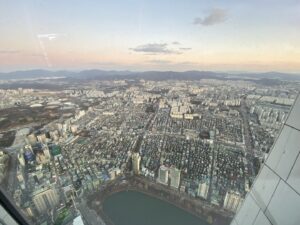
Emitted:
<point x="185" y="49"/>
<point x="215" y="16"/>
<point x="155" y="48"/>
<point x="171" y="63"/>
<point x="160" y="48"/>
<point x="187" y="63"/>
<point x="159" y="61"/>
<point x="50" y="37"/>
<point x="10" y="52"/>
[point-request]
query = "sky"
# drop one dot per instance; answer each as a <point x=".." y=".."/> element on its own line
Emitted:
<point x="139" y="35"/>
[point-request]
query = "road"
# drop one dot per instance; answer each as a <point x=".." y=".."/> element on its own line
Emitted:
<point x="247" y="135"/>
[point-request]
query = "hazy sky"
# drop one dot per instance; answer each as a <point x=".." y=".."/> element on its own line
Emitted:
<point x="223" y="35"/>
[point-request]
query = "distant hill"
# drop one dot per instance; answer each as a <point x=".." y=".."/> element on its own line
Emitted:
<point x="272" y="75"/>
<point x="33" y="74"/>
<point x="41" y="74"/>
<point x="150" y="75"/>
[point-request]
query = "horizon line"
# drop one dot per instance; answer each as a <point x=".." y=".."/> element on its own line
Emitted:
<point x="233" y="72"/>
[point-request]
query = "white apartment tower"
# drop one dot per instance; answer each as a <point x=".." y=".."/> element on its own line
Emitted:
<point x="203" y="190"/>
<point x="45" y="199"/>
<point x="163" y="175"/>
<point x="175" y="177"/>
<point x="136" y="160"/>
<point x="232" y="201"/>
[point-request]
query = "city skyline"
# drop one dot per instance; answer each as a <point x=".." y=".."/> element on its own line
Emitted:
<point x="254" y="36"/>
<point x="69" y="145"/>
<point x="149" y="112"/>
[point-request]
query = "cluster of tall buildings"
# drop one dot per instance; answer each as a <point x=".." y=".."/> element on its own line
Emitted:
<point x="187" y="135"/>
<point x="169" y="176"/>
<point x="12" y="97"/>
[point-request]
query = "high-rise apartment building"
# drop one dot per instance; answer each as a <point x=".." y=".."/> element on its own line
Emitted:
<point x="42" y="138"/>
<point x="31" y="139"/>
<point x="203" y="190"/>
<point x="45" y="199"/>
<point x="232" y="201"/>
<point x="174" y="177"/>
<point x="136" y="159"/>
<point x="163" y="175"/>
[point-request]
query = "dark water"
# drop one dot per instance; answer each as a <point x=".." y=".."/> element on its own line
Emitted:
<point x="135" y="208"/>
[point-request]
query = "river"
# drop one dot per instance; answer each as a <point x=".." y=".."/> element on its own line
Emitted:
<point x="135" y="208"/>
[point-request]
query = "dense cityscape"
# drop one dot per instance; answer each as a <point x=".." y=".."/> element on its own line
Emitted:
<point x="204" y="139"/>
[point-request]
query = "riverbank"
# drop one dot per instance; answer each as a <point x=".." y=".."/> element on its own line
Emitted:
<point x="212" y="214"/>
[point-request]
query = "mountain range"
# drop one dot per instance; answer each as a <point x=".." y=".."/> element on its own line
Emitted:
<point x="150" y="75"/>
